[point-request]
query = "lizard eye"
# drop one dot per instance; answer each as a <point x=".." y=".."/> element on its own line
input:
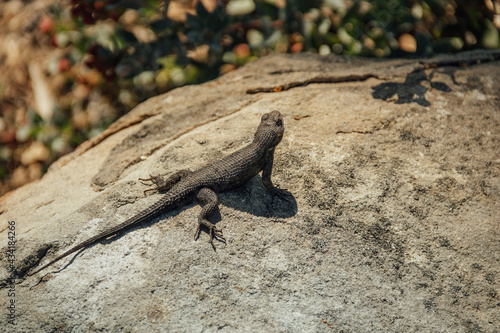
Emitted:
<point x="265" y="116"/>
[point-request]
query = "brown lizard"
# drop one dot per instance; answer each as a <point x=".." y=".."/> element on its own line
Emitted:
<point x="204" y="184"/>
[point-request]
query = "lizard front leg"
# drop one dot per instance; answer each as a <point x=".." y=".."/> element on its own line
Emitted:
<point x="209" y="201"/>
<point x="163" y="185"/>
<point x="266" y="179"/>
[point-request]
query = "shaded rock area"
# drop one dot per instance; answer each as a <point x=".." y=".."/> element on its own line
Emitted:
<point x="394" y="224"/>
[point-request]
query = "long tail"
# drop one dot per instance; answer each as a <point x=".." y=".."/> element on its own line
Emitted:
<point x="164" y="204"/>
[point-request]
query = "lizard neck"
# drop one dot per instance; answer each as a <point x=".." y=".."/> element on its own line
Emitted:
<point x="266" y="139"/>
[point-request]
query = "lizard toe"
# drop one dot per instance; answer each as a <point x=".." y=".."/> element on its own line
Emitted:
<point x="213" y="231"/>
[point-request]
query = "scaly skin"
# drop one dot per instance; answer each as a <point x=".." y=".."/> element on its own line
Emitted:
<point x="204" y="184"/>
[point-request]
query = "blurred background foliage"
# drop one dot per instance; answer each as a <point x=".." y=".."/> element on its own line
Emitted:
<point x="110" y="55"/>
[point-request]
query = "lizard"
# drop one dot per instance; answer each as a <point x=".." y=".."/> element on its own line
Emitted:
<point x="223" y="175"/>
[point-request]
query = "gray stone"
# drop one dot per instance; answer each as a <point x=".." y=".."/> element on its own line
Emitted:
<point x="394" y="226"/>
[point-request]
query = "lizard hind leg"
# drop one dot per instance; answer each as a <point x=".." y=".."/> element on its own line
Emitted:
<point x="209" y="201"/>
<point x="163" y="185"/>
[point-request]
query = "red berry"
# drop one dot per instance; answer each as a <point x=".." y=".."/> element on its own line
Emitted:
<point x="46" y="25"/>
<point x="64" y="64"/>
<point x="99" y="5"/>
<point x="242" y="50"/>
<point x="296" y="48"/>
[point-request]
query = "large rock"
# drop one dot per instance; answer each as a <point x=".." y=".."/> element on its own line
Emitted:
<point x="394" y="223"/>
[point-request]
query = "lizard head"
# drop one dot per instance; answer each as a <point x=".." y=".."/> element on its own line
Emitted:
<point x="271" y="128"/>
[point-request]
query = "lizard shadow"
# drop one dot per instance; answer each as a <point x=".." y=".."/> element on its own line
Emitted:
<point x="412" y="90"/>
<point x="253" y="198"/>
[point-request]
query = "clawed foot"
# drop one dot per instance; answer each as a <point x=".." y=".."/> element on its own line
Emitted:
<point x="214" y="232"/>
<point x="158" y="181"/>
